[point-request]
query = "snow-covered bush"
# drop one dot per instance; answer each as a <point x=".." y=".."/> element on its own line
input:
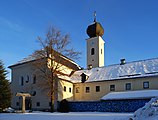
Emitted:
<point x="9" y="110"/>
<point x="150" y="109"/>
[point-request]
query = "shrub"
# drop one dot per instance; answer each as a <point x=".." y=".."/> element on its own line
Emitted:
<point x="64" y="106"/>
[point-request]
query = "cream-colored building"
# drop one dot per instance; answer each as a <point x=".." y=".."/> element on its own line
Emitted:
<point x="90" y="84"/>
<point x="27" y="79"/>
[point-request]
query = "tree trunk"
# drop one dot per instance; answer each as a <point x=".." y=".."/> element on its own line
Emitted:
<point x="55" y="95"/>
<point x="51" y="98"/>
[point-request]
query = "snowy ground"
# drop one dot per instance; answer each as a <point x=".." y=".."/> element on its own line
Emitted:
<point x="65" y="116"/>
<point x="148" y="112"/>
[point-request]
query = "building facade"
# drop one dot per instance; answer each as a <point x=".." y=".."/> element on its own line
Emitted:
<point x="90" y="84"/>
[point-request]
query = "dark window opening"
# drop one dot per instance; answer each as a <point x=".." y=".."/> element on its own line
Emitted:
<point x="50" y="104"/>
<point x="112" y="87"/>
<point x="34" y="79"/>
<point x="38" y="104"/>
<point x="97" y="88"/>
<point x="27" y="80"/>
<point x="17" y="103"/>
<point x="33" y="93"/>
<point x="87" y="89"/>
<point x="92" y="51"/>
<point x="70" y="90"/>
<point x="128" y="86"/>
<point x="22" y="81"/>
<point x="64" y="88"/>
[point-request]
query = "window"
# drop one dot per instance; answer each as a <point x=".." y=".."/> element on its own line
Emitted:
<point x="21" y="80"/>
<point x="17" y="103"/>
<point x="92" y="51"/>
<point x="146" y="85"/>
<point x="64" y="88"/>
<point x="87" y="89"/>
<point x="33" y="93"/>
<point x="38" y="104"/>
<point x="97" y="88"/>
<point x="70" y="90"/>
<point x="27" y="79"/>
<point x="50" y="104"/>
<point x="128" y="86"/>
<point x="112" y="87"/>
<point x="77" y="90"/>
<point x="34" y="79"/>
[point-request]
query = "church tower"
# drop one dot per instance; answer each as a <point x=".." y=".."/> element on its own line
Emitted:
<point x="95" y="45"/>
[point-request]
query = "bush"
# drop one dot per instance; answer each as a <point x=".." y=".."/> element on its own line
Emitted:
<point x="64" y="106"/>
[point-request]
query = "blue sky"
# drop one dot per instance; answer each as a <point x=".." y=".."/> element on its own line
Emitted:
<point x="131" y="27"/>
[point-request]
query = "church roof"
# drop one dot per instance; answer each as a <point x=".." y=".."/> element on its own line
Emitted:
<point x="143" y="68"/>
<point x="65" y="61"/>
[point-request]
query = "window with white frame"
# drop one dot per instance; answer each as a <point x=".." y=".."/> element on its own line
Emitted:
<point x="146" y="85"/>
<point x="87" y="89"/>
<point x="112" y="87"/>
<point x="128" y="86"/>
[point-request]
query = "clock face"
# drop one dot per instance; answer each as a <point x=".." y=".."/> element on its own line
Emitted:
<point x="92" y="43"/>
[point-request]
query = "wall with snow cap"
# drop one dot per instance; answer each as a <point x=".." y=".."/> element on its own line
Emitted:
<point x="108" y="106"/>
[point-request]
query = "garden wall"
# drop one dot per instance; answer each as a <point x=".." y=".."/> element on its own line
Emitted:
<point x="108" y="106"/>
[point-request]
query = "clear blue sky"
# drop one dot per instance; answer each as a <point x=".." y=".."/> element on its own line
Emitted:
<point x="131" y="27"/>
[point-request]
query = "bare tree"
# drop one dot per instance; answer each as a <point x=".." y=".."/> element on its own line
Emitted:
<point x="50" y="61"/>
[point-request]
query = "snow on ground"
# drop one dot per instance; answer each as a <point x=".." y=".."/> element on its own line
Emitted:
<point x="66" y="116"/>
<point x="148" y="112"/>
<point x="131" y="95"/>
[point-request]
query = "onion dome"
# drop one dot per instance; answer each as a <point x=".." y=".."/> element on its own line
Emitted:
<point x="95" y="29"/>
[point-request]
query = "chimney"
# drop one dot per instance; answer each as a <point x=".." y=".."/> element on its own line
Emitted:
<point x="123" y="61"/>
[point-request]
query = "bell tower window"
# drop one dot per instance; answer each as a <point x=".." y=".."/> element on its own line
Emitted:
<point x="92" y="51"/>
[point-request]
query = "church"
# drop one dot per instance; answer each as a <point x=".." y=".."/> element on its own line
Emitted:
<point x="91" y="84"/>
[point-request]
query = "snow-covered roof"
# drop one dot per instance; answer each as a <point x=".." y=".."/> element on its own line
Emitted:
<point x="33" y="58"/>
<point x="144" y="68"/>
<point x="141" y="94"/>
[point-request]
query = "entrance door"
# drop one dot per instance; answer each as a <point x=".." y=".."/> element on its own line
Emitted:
<point x="28" y="103"/>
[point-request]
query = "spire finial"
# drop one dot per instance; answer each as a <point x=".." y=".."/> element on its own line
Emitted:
<point x="95" y="16"/>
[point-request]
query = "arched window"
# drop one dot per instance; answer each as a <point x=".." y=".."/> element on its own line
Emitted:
<point x="92" y="51"/>
<point x="33" y="93"/>
<point x="21" y="82"/>
<point x="34" y="79"/>
<point x="27" y="80"/>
